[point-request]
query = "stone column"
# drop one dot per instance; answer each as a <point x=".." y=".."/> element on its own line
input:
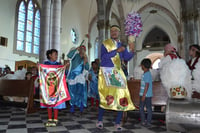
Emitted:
<point x="56" y="18"/>
<point x="190" y="23"/>
<point x="44" y="30"/>
<point x="101" y="22"/>
<point x="107" y="18"/>
<point x="122" y="20"/>
<point x="191" y="33"/>
<point x="198" y="24"/>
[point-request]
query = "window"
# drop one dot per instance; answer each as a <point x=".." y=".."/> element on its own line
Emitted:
<point x="27" y="28"/>
<point x="74" y="36"/>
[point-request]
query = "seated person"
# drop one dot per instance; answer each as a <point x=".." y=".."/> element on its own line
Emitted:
<point x="35" y="77"/>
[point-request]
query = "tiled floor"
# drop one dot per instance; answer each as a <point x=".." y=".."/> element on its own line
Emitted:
<point x="15" y="120"/>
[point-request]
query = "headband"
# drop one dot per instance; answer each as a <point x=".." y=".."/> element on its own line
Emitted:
<point x="115" y="27"/>
<point x="83" y="47"/>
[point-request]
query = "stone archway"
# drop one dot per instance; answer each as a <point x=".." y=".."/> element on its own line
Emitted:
<point x="172" y="17"/>
<point x="91" y="24"/>
<point x="155" y="59"/>
<point x="163" y="9"/>
<point x="154" y="56"/>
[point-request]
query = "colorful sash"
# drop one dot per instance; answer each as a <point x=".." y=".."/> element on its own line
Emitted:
<point x="53" y="88"/>
<point x="112" y="85"/>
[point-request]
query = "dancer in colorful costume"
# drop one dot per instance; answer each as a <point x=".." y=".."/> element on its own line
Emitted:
<point x="114" y="97"/>
<point x="53" y="88"/>
<point x="175" y="74"/>
<point x="77" y="78"/>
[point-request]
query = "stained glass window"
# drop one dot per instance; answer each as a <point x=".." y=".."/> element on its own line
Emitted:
<point x="21" y="26"/>
<point x="36" y="33"/>
<point x="28" y="27"/>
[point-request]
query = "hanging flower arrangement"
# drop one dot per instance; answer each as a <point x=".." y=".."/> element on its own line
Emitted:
<point x="133" y="24"/>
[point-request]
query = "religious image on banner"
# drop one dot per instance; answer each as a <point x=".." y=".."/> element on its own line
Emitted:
<point x="53" y="88"/>
<point x="113" y="77"/>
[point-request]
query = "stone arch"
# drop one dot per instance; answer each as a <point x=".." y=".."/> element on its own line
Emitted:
<point x="122" y="19"/>
<point x="63" y="2"/>
<point x="142" y="38"/>
<point x="113" y="15"/>
<point x="93" y="21"/>
<point x="163" y="9"/>
<point x="154" y="56"/>
<point x="107" y="17"/>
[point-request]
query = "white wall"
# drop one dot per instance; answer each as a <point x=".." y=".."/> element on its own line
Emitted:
<point x="76" y="14"/>
<point x="7" y="15"/>
<point x="94" y="34"/>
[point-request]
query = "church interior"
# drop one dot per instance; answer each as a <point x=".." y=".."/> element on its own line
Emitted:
<point x="31" y="27"/>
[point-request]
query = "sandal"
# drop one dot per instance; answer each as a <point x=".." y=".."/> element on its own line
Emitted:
<point x="99" y="125"/>
<point x="55" y="122"/>
<point x="118" y="127"/>
<point x="49" y="123"/>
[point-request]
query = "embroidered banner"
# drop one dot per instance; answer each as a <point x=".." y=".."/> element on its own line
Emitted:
<point x="53" y="88"/>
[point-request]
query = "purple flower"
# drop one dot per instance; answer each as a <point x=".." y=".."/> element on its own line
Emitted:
<point x="133" y="24"/>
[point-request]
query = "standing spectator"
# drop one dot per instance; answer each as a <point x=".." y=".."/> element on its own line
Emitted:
<point x="28" y="75"/>
<point x="193" y="64"/>
<point x="93" y="84"/>
<point x="146" y="93"/>
<point x="97" y="61"/>
<point x="35" y="78"/>
<point x="194" y="53"/>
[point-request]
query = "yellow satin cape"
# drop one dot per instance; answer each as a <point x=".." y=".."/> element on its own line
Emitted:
<point x="112" y="97"/>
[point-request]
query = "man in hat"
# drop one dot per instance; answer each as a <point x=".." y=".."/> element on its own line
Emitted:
<point x="76" y="78"/>
<point x="114" y="97"/>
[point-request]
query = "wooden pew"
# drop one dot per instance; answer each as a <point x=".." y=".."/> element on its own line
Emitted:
<point x="159" y="93"/>
<point x="21" y="88"/>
